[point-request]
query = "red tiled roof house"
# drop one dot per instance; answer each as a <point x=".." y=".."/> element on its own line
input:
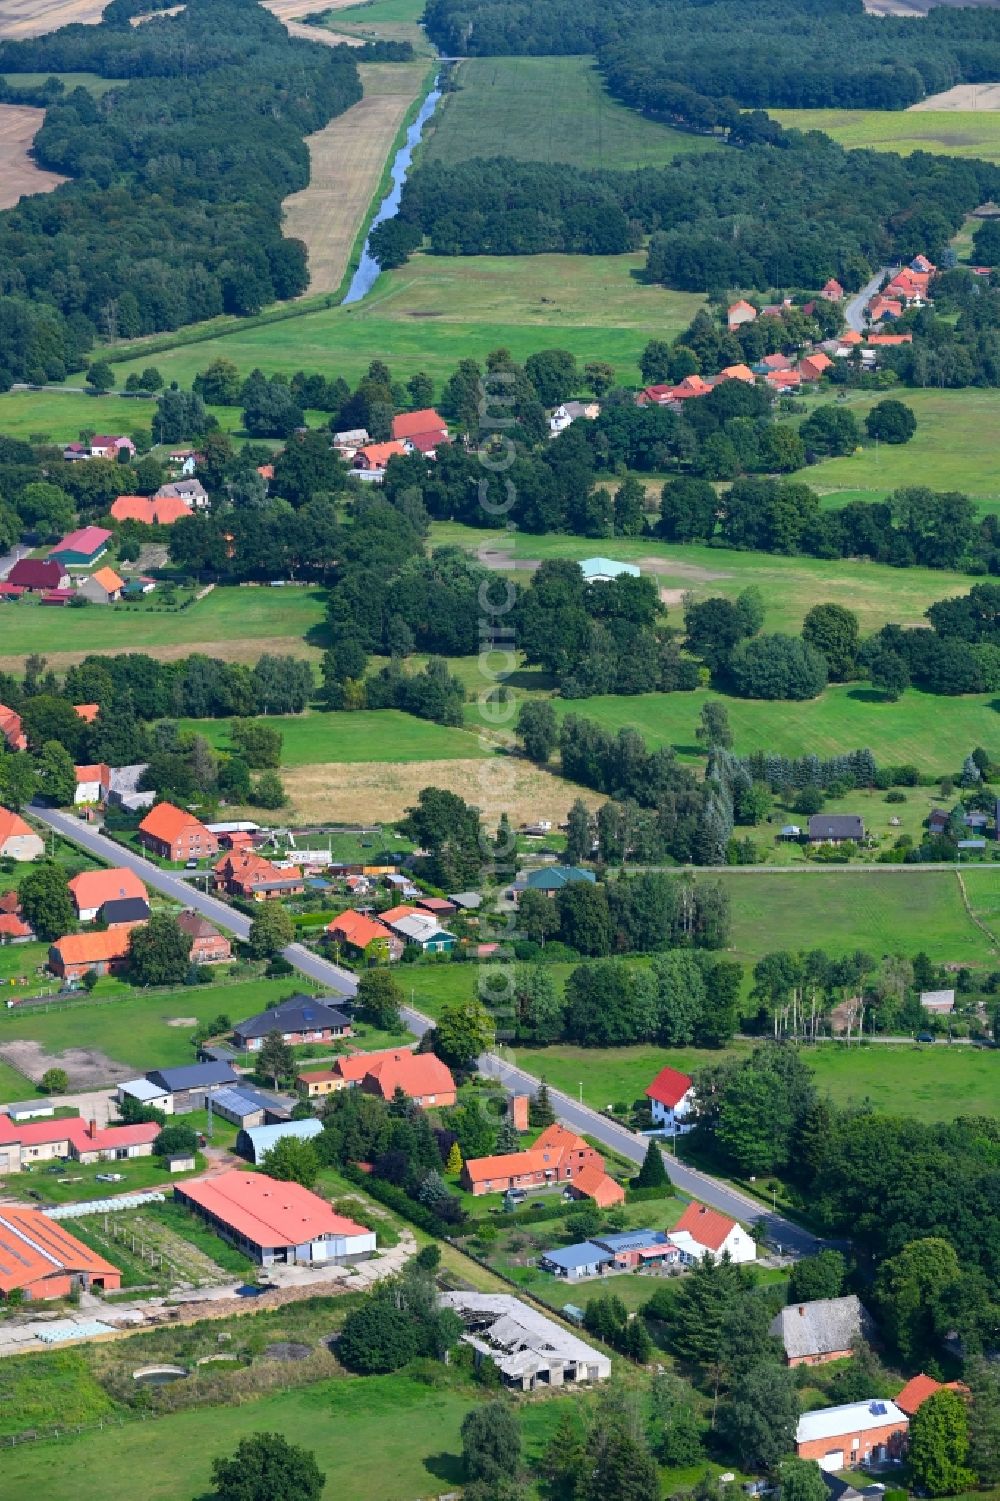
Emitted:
<point x="174" y="834"/>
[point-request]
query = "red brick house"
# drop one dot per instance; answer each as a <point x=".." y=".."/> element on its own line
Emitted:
<point x="75" y="955"/>
<point x="174" y="834"/>
<point x="208" y="945"/>
<point x="558" y="1157"/>
<point x="843" y="1438"/>
<point x="246" y="874"/>
<point x="358" y="932"/>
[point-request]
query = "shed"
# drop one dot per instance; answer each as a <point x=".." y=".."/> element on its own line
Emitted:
<point x="603" y="570"/>
<point x="255" y="1142"/>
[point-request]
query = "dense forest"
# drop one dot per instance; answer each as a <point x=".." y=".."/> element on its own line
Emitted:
<point x="174" y="211"/>
<point x="700" y="61"/>
<point x="830" y="212"/>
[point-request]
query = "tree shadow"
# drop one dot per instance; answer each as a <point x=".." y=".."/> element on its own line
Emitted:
<point x="447" y="1467"/>
<point x="319" y="635"/>
<point x="868" y="696"/>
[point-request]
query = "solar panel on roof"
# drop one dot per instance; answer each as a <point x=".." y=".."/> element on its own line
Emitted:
<point x="878" y="1409"/>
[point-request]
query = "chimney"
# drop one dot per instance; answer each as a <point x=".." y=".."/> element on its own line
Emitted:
<point x="92" y="1129"/>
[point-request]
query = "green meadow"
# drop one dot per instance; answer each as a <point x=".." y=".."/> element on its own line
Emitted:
<point x="235" y="623"/>
<point x="383" y="20"/>
<point x="61" y="415"/>
<point x="367" y="735"/>
<point x="547" y="109"/>
<point x="974" y="133"/>
<point x="934" y="1083"/>
<point x="90" y="81"/>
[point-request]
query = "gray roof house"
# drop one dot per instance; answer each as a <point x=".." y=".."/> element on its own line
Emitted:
<point x="190" y="1085"/>
<point x="836" y="828"/>
<point x="573" y="1262"/>
<point x="554" y="877"/>
<point x="813" y="1333"/>
<point x="302" y="1018"/>
<point x="248" y="1107"/>
<point x="527" y="1349"/>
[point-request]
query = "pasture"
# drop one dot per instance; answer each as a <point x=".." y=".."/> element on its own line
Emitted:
<point x="548" y="109"/>
<point x="19" y="174"/>
<point x="935" y="1083"/>
<point x="347" y="159"/>
<point x="60" y="414"/>
<point x="790" y="585"/>
<point x="921" y="729"/>
<point x="232" y="623"/>
<point x="954" y="448"/>
<point x="438" y="310"/>
<point x="91" y="81"/>
<point x="385" y="735"/>
<point x="379" y="20"/>
<point x="947" y="132"/>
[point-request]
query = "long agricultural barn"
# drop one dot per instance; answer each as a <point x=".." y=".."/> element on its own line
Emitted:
<point x="40" y="1259"/>
<point x="276" y="1222"/>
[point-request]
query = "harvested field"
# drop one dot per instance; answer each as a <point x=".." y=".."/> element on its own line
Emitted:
<point x="86" y="1068"/>
<point x="22" y="18"/>
<point x="347" y="159"/>
<point x="18" y="173"/>
<point x="336" y="793"/>
<point x="964" y="96"/>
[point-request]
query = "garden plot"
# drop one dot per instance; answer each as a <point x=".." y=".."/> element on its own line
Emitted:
<point x="153" y="1247"/>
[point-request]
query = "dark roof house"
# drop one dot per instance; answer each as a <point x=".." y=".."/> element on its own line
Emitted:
<point x="835" y="828"/>
<point x="130" y="909"/>
<point x="300" y="1013"/>
<point x="193" y="1076"/>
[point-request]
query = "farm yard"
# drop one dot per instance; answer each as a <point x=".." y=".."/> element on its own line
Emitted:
<point x="347" y="161"/>
<point x="551" y="109"/>
<point x="19" y="174"/>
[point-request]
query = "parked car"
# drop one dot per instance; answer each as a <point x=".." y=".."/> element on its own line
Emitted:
<point x="109" y="1177"/>
<point x="925" y="1036"/>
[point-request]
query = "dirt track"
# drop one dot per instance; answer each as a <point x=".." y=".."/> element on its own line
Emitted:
<point x="18" y="173"/>
<point x="964" y="97"/>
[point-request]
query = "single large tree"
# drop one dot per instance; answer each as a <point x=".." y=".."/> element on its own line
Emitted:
<point x="292" y="1160"/>
<point x="491" y="1442"/>
<point x="652" y="1174"/>
<point x="275" y="1060"/>
<point x="159" y="952"/>
<point x="380" y="997"/>
<point x="939" y="1445"/>
<point x="464" y="1030"/>
<point x="46" y="902"/>
<point x="266" y="1467"/>
<point x="271" y="931"/>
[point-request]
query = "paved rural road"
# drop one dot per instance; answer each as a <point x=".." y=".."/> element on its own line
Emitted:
<point x="580" y="1117"/>
<point x="171" y="883"/>
<point x="19" y="550"/>
<point x="854" y="309"/>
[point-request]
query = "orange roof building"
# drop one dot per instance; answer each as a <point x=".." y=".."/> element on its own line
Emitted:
<point x="12" y="729"/>
<point x="701" y="1232"/>
<point x="18" y="840"/>
<point x="919" y="1388"/>
<point x="419" y="424"/>
<point x="40" y="1259"/>
<point x="87" y="712"/>
<point x="92" y="888"/>
<point x="559" y="1157"/>
<point x="174" y="834"/>
<point x="375" y="456"/>
<point x="276" y="1222"/>
<point x="158" y="511"/>
<point x="422" y="1077"/>
<point x="358" y="931"/>
<point x="77" y="954"/>
<point x="245" y="873"/>
<point x="740" y="312"/>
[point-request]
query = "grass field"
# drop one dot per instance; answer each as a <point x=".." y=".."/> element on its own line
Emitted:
<point x="935" y="1083"/>
<point x="60" y="416"/>
<point x="920" y="729"/>
<point x="135" y="1030"/>
<point x="548" y="109"/>
<point x="233" y="623"/>
<point x="953" y="449"/>
<point x="437" y="310"/>
<point x="945" y="132"/>
<point x="383" y="735"/>
<point x="347" y="159"/>
<point x="91" y="81"/>
<point x="896" y="911"/>
<point x="384" y="1438"/>
<point x="383" y="20"/>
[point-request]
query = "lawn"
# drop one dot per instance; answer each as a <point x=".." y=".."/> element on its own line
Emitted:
<point x="81" y="1185"/>
<point x="233" y="623"/>
<point x="934" y="1083"/>
<point x="438" y="310"/>
<point x="547" y="109"/>
<point x="921" y="729"/>
<point x="942" y="132"/>
<point x="385" y="1438"/>
<point x="369" y="735"/>
<point x="136" y="1030"/>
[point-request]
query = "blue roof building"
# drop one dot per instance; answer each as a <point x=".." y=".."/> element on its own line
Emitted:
<point x="603" y="570"/>
<point x="632" y="1240"/>
<point x="257" y="1141"/>
<point x="573" y="1262"/>
<point x="555" y="877"/>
